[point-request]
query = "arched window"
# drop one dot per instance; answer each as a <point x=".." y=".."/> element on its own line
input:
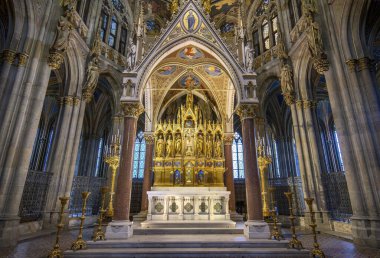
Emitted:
<point x="139" y="157"/>
<point x="237" y="157"/>
<point x="123" y="40"/>
<point x="265" y="29"/>
<point x="274" y="30"/>
<point x="113" y="32"/>
<point x="103" y="26"/>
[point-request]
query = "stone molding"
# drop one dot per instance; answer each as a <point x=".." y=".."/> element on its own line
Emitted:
<point x="9" y="56"/>
<point x="69" y="101"/>
<point x="306" y="104"/>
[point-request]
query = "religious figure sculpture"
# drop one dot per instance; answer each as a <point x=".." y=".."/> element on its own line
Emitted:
<point x="249" y="59"/>
<point x="200" y="145"/>
<point x="131" y="58"/>
<point x="61" y="41"/>
<point x="129" y="89"/>
<point x="169" y="146"/>
<point x="250" y="90"/>
<point x="218" y="147"/>
<point x="191" y="21"/>
<point x="92" y="75"/>
<point x="189" y="145"/>
<point x="208" y="147"/>
<point x="287" y="79"/>
<point x="178" y="145"/>
<point x="160" y="147"/>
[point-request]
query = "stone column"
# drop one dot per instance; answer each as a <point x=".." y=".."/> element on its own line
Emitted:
<point x="228" y="139"/>
<point x="149" y="143"/>
<point x="121" y="226"/>
<point x="255" y="227"/>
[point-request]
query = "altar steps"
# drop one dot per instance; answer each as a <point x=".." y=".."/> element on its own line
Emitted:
<point x="188" y="246"/>
<point x="186" y="231"/>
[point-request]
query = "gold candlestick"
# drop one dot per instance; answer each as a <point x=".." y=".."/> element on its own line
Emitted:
<point x="99" y="234"/>
<point x="275" y="233"/>
<point x="57" y="252"/>
<point x="80" y="243"/>
<point x="263" y="162"/>
<point x="112" y="158"/>
<point x="316" y="251"/>
<point x="294" y="243"/>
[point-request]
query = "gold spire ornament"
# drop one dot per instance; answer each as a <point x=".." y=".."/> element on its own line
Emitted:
<point x="294" y="242"/>
<point x="80" y="243"/>
<point x="99" y="234"/>
<point x="57" y="252"/>
<point x="264" y="159"/>
<point x="275" y="233"/>
<point x="316" y="251"/>
<point x="112" y="158"/>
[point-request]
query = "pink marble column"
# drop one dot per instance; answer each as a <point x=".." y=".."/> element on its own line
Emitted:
<point x="252" y="181"/>
<point x="228" y="138"/>
<point x="149" y="141"/>
<point x="124" y="180"/>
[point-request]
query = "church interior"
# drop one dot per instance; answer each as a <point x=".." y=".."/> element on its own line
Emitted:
<point x="189" y="128"/>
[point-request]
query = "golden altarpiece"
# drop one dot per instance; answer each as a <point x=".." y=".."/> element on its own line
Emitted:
<point x="189" y="151"/>
<point x="188" y="169"/>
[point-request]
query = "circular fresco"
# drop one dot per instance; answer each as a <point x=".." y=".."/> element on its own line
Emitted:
<point x="213" y="70"/>
<point x="166" y="70"/>
<point x="190" y="53"/>
<point x="189" y="81"/>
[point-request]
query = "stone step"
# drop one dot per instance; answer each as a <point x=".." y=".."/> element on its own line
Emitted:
<point x="187" y="244"/>
<point x="163" y="224"/>
<point x="186" y="231"/>
<point x="188" y="252"/>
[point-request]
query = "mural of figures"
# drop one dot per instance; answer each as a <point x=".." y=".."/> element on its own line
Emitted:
<point x="190" y="53"/>
<point x="224" y="12"/>
<point x="213" y="70"/>
<point x="191" y="21"/>
<point x="167" y="70"/>
<point x="156" y="12"/>
<point x="190" y="82"/>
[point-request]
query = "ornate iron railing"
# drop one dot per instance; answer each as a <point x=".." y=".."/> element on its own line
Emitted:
<point x="337" y="197"/>
<point x="34" y="195"/>
<point x="82" y="184"/>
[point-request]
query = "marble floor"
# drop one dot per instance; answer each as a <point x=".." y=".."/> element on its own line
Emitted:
<point x="39" y="246"/>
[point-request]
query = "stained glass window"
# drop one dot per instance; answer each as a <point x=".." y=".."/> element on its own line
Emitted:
<point x="103" y="25"/>
<point x="237" y="157"/>
<point x="113" y="32"/>
<point x="123" y="40"/>
<point x="139" y="156"/>
<point x="274" y="29"/>
<point x="265" y="29"/>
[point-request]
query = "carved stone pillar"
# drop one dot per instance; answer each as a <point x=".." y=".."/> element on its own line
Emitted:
<point x="121" y="227"/>
<point x="255" y="227"/>
<point x="149" y="143"/>
<point x="228" y="139"/>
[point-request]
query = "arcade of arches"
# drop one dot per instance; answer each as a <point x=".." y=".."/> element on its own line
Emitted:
<point x="208" y="105"/>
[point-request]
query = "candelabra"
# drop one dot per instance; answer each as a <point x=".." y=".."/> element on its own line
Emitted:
<point x="112" y="158"/>
<point x="264" y="159"/>
<point x="275" y="233"/>
<point x="99" y="234"/>
<point x="80" y="243"/>
<point x="57" y="252"/>
<point x="294" y="243"/>
<point x="316" y="252"/>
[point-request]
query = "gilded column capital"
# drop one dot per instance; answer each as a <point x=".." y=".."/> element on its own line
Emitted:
<point x="87" y="95"/>
<point x="9" y="56"/>
<point x="289" y="97"/>
<point x="308" y="104"/>
<point x="299" y="104"/>
<point x="149" y="138"/>
<point x="132" y="109"/>
<point x="228" y="138"/>
<point x="22" y="59"/>
<point x="69" y="101"/>
<point x="351" y="63"/>
<point x="55" y="60"/>
<point x="247" y="111"/>
<point x="365" y="63"/>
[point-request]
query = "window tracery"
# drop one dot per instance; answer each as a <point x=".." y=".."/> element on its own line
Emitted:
<point x="139" y="156"/>
<point x="237" y="157"/>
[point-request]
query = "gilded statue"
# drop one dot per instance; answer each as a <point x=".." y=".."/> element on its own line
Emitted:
<point x="218" y="148"/>
<point x="178" y="145"/>
<point x="160" y="147"/>
<point x="208" y="147"/>
<point x="200" y="145"/>
<point x="169" y="146"/>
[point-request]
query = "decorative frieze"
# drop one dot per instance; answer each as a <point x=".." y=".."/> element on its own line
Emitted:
<point x="69" y="100"/>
